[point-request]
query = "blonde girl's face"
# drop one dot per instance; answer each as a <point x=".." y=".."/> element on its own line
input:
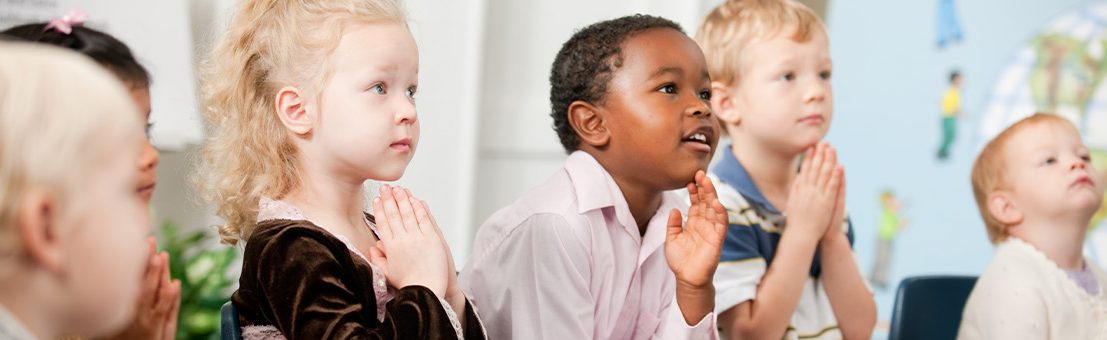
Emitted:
<point x="103" y="250"/>
<point x="365" y="122"/>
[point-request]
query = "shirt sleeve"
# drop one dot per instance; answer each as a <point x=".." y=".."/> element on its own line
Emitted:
<point x="741" y="267"/>
<point x="321" y="299"/>
<point x="533" y="284"/>
<point x="673" y="325"/>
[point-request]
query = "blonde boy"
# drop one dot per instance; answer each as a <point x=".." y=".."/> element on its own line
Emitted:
<point x="780" y="277"/>
<point x="71" y="225"/>
<point x="1036" y="191"/>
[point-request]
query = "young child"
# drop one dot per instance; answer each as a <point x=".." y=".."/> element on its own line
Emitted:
<point x="787" y="268"/>
<point x="306" y="100"/>
<point x="159" y="302"/>
<point x="598" y="251"/>
<point x="71" y="226"/>
<point x="1037" y="191"/>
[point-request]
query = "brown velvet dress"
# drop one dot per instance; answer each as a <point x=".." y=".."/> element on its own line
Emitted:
<point x="306" y="283"/>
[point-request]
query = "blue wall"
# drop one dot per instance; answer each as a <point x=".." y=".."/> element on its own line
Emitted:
<point x="888" y="78"/>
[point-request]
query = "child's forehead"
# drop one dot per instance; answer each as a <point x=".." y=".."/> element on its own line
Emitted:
<point x="1042" y="134"/>
<point x="657" y="50"/>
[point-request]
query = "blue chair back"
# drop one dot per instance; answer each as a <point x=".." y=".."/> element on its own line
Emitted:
<point x="929" y="307"/>
<point x="228" y="323"/>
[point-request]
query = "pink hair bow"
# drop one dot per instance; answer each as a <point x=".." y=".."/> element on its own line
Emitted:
<point x="74" y="17"/>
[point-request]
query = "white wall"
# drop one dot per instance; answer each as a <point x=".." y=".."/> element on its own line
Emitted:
<point x="158" y="33"/>
<point x="483" y="98"/>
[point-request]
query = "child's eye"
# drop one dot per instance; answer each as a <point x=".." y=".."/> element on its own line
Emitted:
<point x="149" y="127"/>
<point x="668" y="88"/>
<point x="411" y="91"/>
<point x="1051" y="160"/>
<point x="1086" y="158"/>
<point x="378" y="89"/>
<point x="788" y="76"/>
<point x="825" y="75"/>
<point x="705" y="94"/>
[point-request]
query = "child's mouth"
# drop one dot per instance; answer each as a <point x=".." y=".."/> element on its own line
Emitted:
<point x="814" y="119"/>
<point x="1083" y="181"/>
<point x="699" y="139"/>
<point x="403" y="145"/>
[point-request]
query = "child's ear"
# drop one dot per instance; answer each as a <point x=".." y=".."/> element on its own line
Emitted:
<point x="1003" y="209"/>
<point x="38" y="230"/>
<point x="722" y="104"/>
<point x="589" y="124"/>
<point x="291" y="108"/>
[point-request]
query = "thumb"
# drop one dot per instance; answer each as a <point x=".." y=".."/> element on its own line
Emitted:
<point x="378" y="258"/>
<point x="674" y="225"/>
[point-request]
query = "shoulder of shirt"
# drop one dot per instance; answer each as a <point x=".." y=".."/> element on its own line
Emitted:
<point x="1015" y="266"/>
<point x="736" y="205"/>
<point x="554" y="197"/>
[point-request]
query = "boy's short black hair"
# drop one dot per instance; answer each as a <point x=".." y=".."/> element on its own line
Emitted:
<point x="953" y="75"/>
<point x="585" y="64"/>
<point x="105" y="49"/>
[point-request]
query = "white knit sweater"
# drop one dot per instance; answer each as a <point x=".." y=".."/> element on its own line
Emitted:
<point x="1024" y="295"/>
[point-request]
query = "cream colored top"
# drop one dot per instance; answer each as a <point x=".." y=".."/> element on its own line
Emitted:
<point x="1024" y="295"/>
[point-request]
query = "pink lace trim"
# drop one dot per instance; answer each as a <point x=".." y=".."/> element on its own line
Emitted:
<point x="261" y="333"/>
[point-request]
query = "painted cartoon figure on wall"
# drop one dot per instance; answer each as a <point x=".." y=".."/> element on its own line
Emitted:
<point x="949" y="26"/>
<point x="889" y="225"/>
<point x="951" y="111"/>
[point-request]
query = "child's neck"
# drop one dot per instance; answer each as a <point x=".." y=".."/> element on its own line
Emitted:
<point x="642" y="201"/>
<point x="22" y="298"/>
<point x="331" y="201"/>
<point x="1061" y="241"/>
<point x="773" y="173"/>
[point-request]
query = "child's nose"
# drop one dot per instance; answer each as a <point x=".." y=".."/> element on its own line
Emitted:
<point x="817" y="92"/>
<point x="1079" y="164"/>
<point x="405" y="114"/>
<point x="700" y="108"/>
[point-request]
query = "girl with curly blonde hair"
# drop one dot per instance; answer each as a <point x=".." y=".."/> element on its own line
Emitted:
<point x="305" y="101"/>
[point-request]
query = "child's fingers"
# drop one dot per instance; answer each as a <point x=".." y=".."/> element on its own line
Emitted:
<point x="834" y="181"/>
<point x="383" y="227"/>
<point x="433" y="223"/>
<point x="403" y="202"/>
<point x="721" y="219"/>
<point x="826" y="169"/>
<point x="809" y="167"/>
<point x="150" y="284"/>
<point x="421" y="215"/>
<point x="693" y="193"/>
<point x="707" y="188"/>
<point x="152" y="245"/>
<point x="841" y="190"/>
<point x="169" y="327"/>
<point x="392" y="211"/>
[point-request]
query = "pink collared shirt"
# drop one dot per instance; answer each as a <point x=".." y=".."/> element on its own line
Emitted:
<point x="566" y="261"/>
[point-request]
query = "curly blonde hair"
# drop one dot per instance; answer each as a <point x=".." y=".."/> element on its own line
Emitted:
<point x="269" y="44"/>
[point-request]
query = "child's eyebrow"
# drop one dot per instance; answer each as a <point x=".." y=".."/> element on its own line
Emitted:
<point x="676" y="71"/>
